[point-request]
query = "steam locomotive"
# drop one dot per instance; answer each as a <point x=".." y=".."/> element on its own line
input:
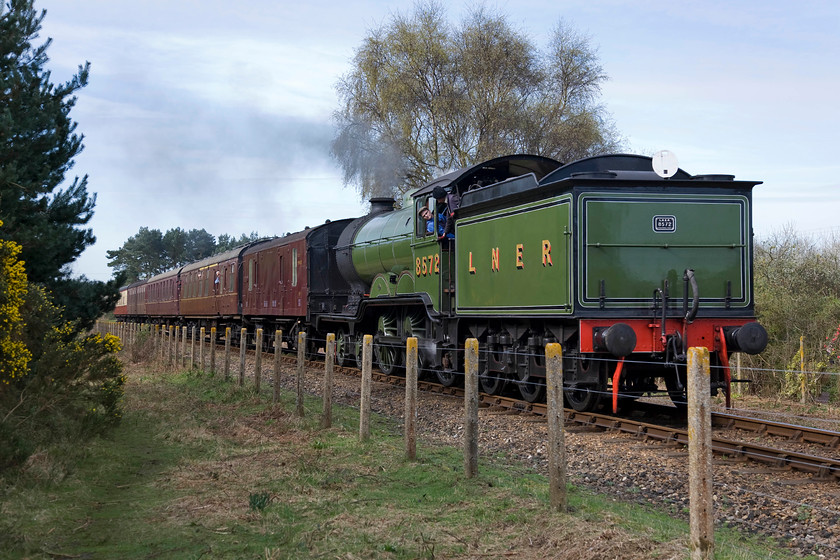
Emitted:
<point x="624" y="267"/>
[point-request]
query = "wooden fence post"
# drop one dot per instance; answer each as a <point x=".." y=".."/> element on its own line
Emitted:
<point x="471" y="408"/>
<point x="156" y="341"/>
<point x="556" y="437"/>
<point x="301" y="364"/>
<point x="278" y="347"/>
<point x="192" y="348"/>
<point x="258" y="360"/>
<point x="700" y="478"/>
<point x="804" y="391"/>
<point x="212" y="349"/>
<point x="329" y="363"/>
<point x="161" y="343"/>
<point x="169" y="346"/>
<point x="184" y="346"/>
<point x="201" y="348"/>
<point x="367" y="381"/>
<point x="243" y="342"/>
<point x="411" y="398"/>
<point x="227" y="353"/>
<point x="177" y="342"/>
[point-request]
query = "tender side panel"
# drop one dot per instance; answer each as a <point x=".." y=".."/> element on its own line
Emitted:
<point x="516" y="261"/>
<point x="630" y="244"/>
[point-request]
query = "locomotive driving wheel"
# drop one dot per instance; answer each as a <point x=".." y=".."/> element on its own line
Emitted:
<point x="343" y="348"/>
<point x="387" y="358"/>
<point x="354" y="350"/>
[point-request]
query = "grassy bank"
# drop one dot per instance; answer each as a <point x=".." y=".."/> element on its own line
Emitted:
<point x="201" y="469"/>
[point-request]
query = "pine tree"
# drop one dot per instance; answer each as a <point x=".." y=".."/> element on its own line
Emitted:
<point x="38" y="144"/>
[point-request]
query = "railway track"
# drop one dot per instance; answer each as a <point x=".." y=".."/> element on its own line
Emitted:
<point x="821" y="468"/>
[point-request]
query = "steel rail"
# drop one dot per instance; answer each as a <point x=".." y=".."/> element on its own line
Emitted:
<point x="823" y="468"/>
<point x="793" y="432"/>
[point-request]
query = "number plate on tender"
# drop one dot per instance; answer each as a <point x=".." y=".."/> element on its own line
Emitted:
<point x="664" y="224"/>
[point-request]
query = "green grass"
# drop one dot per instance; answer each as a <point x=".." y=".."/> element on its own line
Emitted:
<point x="202" y="469"/>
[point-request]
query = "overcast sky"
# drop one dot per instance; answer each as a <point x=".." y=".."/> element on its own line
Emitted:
<point x="216" y="114"/>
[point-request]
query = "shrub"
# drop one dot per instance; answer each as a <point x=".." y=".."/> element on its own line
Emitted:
<point x="71" y="389"/>
<point x="797" y="294"/>
<point x="14" y="356"/>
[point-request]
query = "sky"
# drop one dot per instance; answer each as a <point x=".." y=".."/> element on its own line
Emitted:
<point x="217" y="115"/>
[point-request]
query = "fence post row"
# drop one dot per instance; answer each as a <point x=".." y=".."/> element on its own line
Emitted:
<point x="698" y="392"/>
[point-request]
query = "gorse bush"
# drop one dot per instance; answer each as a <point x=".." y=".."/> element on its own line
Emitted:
<point x="58" y="385"/>
<point x="14" y="356"/>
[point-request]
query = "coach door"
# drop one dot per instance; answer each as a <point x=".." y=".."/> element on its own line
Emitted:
<point x="281" y="282"/>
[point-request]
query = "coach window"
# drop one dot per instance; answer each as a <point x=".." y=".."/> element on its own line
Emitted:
<point x="294" y="266"/>
<point x="230" y="277"/>
<point x="250" y="275"/>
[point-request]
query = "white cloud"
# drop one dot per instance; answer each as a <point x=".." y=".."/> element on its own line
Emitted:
<point x="231" y="101"/>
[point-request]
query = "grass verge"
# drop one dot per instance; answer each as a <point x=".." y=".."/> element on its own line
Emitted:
<point x="200" y="468"/>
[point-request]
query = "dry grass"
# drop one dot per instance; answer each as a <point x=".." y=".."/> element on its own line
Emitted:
<point x="271" y="448"/>
<point x="328" y="496"/>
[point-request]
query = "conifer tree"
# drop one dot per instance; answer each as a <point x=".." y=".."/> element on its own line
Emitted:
<point x="38" y="144"/>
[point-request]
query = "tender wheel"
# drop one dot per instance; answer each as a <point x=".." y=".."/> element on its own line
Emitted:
<point x="492" y="382"/>
<point x="585" y="397"/>
<point x="447" y="378"/>
<point x="582" y="399"/>
<point x="531" y="388"/>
